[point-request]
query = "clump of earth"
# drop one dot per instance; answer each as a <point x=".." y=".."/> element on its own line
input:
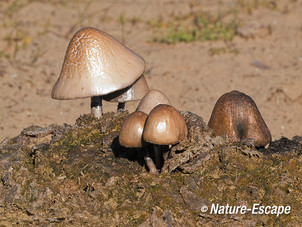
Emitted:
<point x="76" y="175"/>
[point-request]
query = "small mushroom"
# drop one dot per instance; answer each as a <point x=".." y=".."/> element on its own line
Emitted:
<point x="96" y="64"/>
<point x="236" y="115"/>
<point x="164" y="126"/>
<point x="132" y="130"/>
<point x="151" y="99"/>
<point x="131" y="135"/>
<point x="134" y="92"/>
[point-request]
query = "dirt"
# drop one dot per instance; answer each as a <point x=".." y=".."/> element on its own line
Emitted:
<point x="69" y="171"/>
<point x="263" y="59"/>
<point x="79" y="175"/>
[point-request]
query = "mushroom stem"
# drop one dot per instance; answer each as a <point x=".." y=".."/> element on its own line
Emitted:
<point x="158" y="156"/>
<point x="149" y="162"/>
<point x="121" y="107"/>
<point x="96" y="106"/>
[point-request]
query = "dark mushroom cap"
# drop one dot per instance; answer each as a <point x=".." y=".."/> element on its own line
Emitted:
<point x="151" y="99"/>
<point x="96" y="64"/>
<point x="164" y="126"/>
<point x="236" y="115"/>
<point x="132" y="130"/>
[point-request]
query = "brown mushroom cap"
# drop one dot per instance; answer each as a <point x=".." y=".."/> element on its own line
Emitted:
<point x="132" y="130"/>
<point x="235" y="114"/>
<point x="96" y="64"/>
<point x="152" y="99"/>
<point x="134" y="92"/>
<point x="164" y="126"/>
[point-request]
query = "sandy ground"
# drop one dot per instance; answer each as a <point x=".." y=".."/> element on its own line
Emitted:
<point x="265" y="61"/>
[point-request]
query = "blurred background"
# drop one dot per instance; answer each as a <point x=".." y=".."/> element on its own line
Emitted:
<point x="195" y="50"/>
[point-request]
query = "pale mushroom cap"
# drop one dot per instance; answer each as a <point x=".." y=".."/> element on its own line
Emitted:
<point x="164" y="126"/>
<point x="152" y="99"/>
<point x="134" y="92"/>
<point x="132" y="130"/>
<point x="96" y="64"/>
<point x="235" y="114"/>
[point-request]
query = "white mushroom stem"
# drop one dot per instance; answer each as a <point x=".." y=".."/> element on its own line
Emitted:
<point x="149" y="162"/>
<point x="158" y="156"/>
<point x="96" y="106"/>
<point x="121" y="107"/>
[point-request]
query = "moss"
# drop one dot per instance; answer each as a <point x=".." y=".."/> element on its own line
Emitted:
<point x="81" y="178"/>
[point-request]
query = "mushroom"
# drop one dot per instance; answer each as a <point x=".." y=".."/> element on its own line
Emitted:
<point x="132" y="130"/>
<point x="134" y="92"/>
<point x="152" y="99"/>
<point x="131" y="135"/>
<point x="164" y="126"/>
<point x="236" y="115"/>
<point x="96" y="64"/>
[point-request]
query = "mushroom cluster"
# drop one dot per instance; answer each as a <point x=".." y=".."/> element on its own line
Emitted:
<point x="97" y="65"/>
<point x="235" y="116"/>
<point x="155" y="122"/>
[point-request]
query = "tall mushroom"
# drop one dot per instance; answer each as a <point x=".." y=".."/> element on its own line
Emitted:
<point x="131" y="135"/>
<point x="134" y="92"/>
<point x="164" y="126"/>
<point x="96" y="64"/>
<point x="151" y="99"/>
<point x="236" y="115"/>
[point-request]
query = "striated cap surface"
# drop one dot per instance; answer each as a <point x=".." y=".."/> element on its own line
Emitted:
<point x="235" y="114"/>
<point x="96" y="64"/>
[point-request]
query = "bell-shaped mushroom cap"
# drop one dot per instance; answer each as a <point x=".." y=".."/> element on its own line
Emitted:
<point x="164" y="126"/>
<point x="236" y="115"/>
<point x="152" y="99"/>
<point x="96" y="64"/>
<point x="132" y="130"/>
<point x="134" y="92"/>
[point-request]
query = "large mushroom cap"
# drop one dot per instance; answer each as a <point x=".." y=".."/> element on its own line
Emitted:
<point x="135" y="91"/>
<point x="235" y="114"/>
<point x="164" y="126"/>
<point x="132" y="130"/>
<point x="152" y="99"/>
<point x="96" y="64"/>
